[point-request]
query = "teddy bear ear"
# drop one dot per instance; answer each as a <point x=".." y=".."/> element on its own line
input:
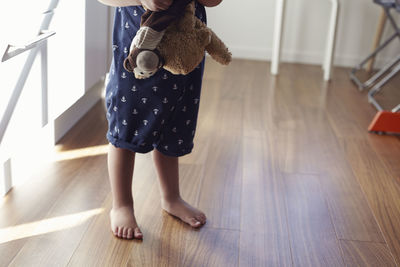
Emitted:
<point x="127" y="65"/>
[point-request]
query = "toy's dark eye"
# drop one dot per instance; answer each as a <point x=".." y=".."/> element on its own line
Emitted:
<point x="150" y="73"/>
<point x="141" y="72"/>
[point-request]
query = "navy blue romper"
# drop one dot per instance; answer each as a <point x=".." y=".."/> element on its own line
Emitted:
<point x="159" y="112"/>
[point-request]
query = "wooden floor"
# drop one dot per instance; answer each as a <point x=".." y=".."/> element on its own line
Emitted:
<point x="283" y="167"/>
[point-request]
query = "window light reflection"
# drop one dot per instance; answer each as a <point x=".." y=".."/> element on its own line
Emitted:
<point x="45" y="226"/>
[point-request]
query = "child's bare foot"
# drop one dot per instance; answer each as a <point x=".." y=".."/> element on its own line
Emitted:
<point x="123" y="223"/>
<point x="184" y="211"/>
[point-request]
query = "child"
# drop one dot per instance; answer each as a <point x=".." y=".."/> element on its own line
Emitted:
<point x="159" y="112"/>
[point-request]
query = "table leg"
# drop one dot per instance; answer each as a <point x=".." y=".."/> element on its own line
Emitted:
<point x="276" y="46"/>
<point x="331" y="40"/>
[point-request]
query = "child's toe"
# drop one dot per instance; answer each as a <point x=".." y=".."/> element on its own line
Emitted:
<point x="194" y="222"/>
<point x="138" y="233"/>
<point x="130" y="233"/>
<point x="125" y="232"/>
<point x="120" y="231"/>
<point x="201" y="219"/>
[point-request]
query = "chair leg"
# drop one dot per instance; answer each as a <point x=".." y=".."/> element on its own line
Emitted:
<point x="378" y="37"/>
<point x="373" y="79"/>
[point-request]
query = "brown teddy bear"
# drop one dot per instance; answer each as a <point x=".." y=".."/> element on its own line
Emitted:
<point x="180" y="46"/>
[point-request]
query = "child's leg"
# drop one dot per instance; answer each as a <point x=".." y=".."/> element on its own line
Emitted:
<point x="171" y="201"/>
<point x="120" y="168"/>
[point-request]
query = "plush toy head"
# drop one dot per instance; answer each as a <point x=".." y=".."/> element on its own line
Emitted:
<point x="185" y="42"/>
<point x="146" y="64"/>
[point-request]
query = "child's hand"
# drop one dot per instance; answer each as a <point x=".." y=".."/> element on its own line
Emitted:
<point x="156" y="5"/>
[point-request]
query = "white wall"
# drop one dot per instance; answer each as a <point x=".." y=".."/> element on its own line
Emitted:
<point x="248" y="30"/>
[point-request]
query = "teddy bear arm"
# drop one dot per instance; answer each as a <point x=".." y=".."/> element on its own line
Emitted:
<point x="218" y="50"/>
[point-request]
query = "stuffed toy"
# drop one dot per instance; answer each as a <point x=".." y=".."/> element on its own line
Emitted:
<point x="174" y="39"/>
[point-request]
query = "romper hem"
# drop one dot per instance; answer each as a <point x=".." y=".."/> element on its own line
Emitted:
<point x="140" y="149"/>
<point x="183" y="152"/>
<point x="122" y="144"/>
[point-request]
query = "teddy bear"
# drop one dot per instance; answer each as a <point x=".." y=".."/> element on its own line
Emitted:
<point x="174" y="41"/>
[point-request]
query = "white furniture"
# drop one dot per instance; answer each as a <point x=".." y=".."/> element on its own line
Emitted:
<point x="35" y="46"/>
<point x="276" y="46"/>
<point x="73" y="61"/>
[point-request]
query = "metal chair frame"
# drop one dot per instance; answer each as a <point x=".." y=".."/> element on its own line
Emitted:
<point x="387" y="5"/>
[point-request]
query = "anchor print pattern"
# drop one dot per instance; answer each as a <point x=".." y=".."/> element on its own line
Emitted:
<point x="158" y="112"/>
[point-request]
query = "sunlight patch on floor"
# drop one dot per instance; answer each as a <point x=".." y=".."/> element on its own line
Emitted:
<point x="46" y="225"/>
<point x="78" y="153"/>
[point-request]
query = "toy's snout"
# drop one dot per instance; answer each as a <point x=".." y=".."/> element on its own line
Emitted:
<point x="146" y="64"/>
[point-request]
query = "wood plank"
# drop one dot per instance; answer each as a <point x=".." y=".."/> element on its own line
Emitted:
<point x="108" y="250"/>
<point x="366" y="254"/>
<point x="346" y="200"/>
<point x="113" y="251"/>
<point x="348" y="110"/>
<point x="381" y="188"/>
<point x="297" y="153"/>
<point x="191" y="178"/>
<point x="306" y="143"/>
<point x="387" y="147"/>
<point x="341" y="188"/>
<point x="183" y="246"/>
<point x="82" y="196"/>
<point x="162" y="246"/>
<point x="342" y="118"/>
<point x="344" y="194"/>
<point x="259" y="102"/>
<point x="264" y="237"/>
<point x="298" y="116"/>
<point x="338" y="182"/>
<point x="263" y="190"/>
<point x="26" y="204"/>
<point x="161" y="243"/>
<point x="264" y="249"/>
<point x="221" y="188"/>
<point x="211" y="247"/>
<point x="312" y="236"/>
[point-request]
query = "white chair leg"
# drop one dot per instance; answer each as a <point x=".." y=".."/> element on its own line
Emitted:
<point x="276" y="46"/>
<point x="327" y="65"/>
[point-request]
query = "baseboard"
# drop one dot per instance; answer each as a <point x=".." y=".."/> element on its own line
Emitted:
<point x="304" y="57"/>
<point x="64" y="122"/>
